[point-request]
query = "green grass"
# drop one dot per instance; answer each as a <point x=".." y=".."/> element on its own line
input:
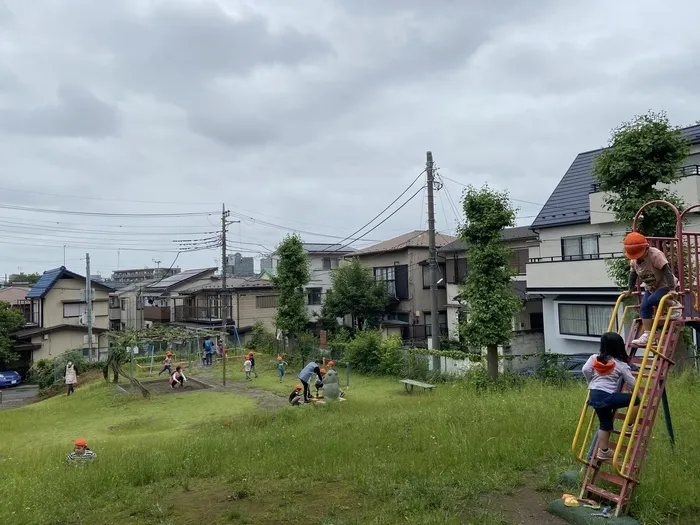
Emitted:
<point x="381" y="457"/>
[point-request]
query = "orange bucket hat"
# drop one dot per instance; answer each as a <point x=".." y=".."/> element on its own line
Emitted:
<point x="635" y="245"/>
<point x="80" y="443"/>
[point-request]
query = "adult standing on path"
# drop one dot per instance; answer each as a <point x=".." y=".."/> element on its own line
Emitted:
<point x="305" y="377"/>
<point x="208" y="350"/>
<point x="70" y="377"/>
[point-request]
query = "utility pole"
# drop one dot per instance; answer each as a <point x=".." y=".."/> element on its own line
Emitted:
<point x="225" y="301"/>
<point x="88" y="302"/>
<point x="434" y="321"/>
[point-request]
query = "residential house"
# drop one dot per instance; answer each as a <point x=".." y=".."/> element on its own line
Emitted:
<point x="323" y="259"/>
<point x="577" y="236"/>
<point x="401" y="263"/>
<point x="243" y="303"/>
<point x="239" y="266"/>
<point x="16" y="297"/>
<point x="123" y="311"/>
<point x="154" y="301"/>
<point x="58" y="321"/>
<point x="528" y="323"/>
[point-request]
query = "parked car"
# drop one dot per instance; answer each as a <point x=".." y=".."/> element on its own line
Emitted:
<point x="571" y="363"/>
<point x="10" y="378"/>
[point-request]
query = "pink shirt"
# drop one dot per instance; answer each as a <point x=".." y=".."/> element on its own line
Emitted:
<point x="650" y="269"/>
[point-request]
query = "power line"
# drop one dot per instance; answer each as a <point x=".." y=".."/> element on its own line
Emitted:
<point x="102" y="214"/>
<point x="381" y="212"/>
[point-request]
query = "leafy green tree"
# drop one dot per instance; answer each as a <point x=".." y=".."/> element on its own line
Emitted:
<point x="22" y="277"/>
<point x="355" y="292"/>
<point x="293" y="274"/>
<point x="643" y="153"/>
<point x="488" y="292"/>
<point x="11" y="320"/>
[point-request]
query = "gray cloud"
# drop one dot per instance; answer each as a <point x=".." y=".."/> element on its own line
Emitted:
<point x="78" y="113"/>
<point x="312" y="115"/>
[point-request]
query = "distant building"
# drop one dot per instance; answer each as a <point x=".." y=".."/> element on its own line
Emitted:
<point x="268" y="263"/>
<point x="239" y="266"/>
<point x="142" y="274"/>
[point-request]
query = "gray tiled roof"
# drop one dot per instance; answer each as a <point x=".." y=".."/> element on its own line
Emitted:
<point x="568" y="203"/>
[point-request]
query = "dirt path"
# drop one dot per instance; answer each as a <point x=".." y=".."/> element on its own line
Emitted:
<point x="264" y="398"/>
<point x="524" y="506"/>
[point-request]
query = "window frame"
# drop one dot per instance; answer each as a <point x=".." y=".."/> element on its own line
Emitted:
<point x="442" y="270"/>
<point x="587" y="316"/>
<point x="315" y="292"/>
<point x="260" y="303"/>
<point x="330" y="265"/>
<point x="80" y="305"/>
<point x="515" y="260"/>
<point x="381" y="273"/>
<point x="581" y="256"/>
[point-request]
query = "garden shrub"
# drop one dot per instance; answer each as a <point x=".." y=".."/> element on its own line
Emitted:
<point x="391" y="357"/>
<point x="46" y="372"/>
<point x="364" y="353"/>
<point x="262" y="339"/>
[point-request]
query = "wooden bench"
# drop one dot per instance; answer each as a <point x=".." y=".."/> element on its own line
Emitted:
<point x="412" y="383"/>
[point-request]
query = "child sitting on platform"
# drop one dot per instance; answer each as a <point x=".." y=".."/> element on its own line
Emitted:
<point x="651" y="266"/>
<point x="295" y="398"/>
<point x="602" y="373"/>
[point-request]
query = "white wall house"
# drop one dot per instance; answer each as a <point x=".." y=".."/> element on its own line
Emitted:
<point x="577" y="235"/>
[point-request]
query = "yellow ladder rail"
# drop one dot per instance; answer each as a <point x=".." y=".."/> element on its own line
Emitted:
<point x="650" y="348"/>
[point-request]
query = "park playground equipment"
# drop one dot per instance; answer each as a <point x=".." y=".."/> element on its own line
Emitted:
<point x="616" y="479"/>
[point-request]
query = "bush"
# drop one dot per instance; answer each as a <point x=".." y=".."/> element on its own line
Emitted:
<point x="551" y="371"/>
<point x="47" y="372"/>
<point x="262" y="340"/>
<point x="392" y="358"/>
<point x="416" y="367"/>
<point x="306" y="346"/>
<point x="338" y="343"/>
<point x="364" y="352"/>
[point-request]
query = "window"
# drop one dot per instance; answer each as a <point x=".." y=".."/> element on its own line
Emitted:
<point x="73" y="309"/>
<point x="314" y="296"/>
<point x="123" y="304"/>
<point x="442" y="322"/>
<point x="388" y="275"/>
<point x="330" y="263"/>
<point x="584" y="319"/>
<point x="265" y="301"/>
<point x="577" y="248"/>
<point x="518" y="260"/>
<point x="426" y="275"/>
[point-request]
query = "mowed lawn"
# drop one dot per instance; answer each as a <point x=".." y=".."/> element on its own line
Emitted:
<point x="381" y="457"/>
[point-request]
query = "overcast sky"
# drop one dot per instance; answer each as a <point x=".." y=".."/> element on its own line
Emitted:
<point x="312" y="117"/>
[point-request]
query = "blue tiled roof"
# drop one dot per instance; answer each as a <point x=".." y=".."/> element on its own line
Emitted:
<point x="46" y="282"/>
<point x="568" y="203"/>
<point x="49" y="278"/>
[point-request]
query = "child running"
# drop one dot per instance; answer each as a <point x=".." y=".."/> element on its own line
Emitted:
<point x="166" y="363"/>
<point x="602" y="373"/>
<point x="281" y="367"/>
<point x="295" y="397"/>
<point x="251" y="356"/>
<point x="651" y="266"/>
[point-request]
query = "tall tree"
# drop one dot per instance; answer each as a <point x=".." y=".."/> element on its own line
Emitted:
<point x="22" y="277"/>
<point x="293" y="274"/>
<point x="355" y="292"/>
<point x="642" y="153"/>
<point x="489" y="296"/>
<point x="11" y="320"/>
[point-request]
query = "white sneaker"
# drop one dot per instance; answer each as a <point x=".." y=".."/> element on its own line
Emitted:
<point x="642" y="340"/>
<point x="605" y="455"/>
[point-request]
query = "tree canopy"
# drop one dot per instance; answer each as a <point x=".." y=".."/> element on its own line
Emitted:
<point x="11" y="320"/>
<point x="488" y="292"/>
<point x="643" y="153"/>
<point x="293" y="274"/>
<point x="22" y="277"/>
<point x="355" y="292"/>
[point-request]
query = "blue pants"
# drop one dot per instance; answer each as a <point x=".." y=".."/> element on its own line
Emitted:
<point x="605" y="405"/>
<point x="650" y="300"/>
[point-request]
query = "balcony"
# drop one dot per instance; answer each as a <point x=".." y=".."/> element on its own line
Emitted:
<point x="203" y="314"/>
<point x="158" y="314"/>
<point x="687" y="187"/>
<point x="115" y="313"/>
<point x="565" y="272"/>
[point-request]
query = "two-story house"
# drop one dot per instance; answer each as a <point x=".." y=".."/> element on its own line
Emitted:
<point x="518" y="240"/>
<point x="401" y="263"/>
<point x="577" y="235"/>
<point x="58" y="319"/>
<point x="16" y="297"/>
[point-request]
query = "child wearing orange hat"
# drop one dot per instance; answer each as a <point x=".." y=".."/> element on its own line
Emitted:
<point x="281" y="367"/>
<point x="167" y="362"/>
<point x="319" y="382"/>
<point x="295" y="398"/>
<point x="81" y="452"/>
<point x="251" y="356"/>
<point x="602" y="372"/>
<point x="651" y="266"/>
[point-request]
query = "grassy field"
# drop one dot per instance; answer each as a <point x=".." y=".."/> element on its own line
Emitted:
<point x="382" y="457"/>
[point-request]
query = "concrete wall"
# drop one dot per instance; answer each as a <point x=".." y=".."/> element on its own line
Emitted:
<point x="60" y="342"/>
<point x="70" y="290"/>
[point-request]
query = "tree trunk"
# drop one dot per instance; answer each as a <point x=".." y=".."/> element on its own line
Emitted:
<point x="492" y="362"/>
<point x="115" y="374"/>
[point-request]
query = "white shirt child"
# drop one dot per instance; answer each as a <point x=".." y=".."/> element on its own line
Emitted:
<point x="247" y="365"/>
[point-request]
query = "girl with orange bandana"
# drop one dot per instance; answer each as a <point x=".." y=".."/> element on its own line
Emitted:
<point x="602" y="372"/>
